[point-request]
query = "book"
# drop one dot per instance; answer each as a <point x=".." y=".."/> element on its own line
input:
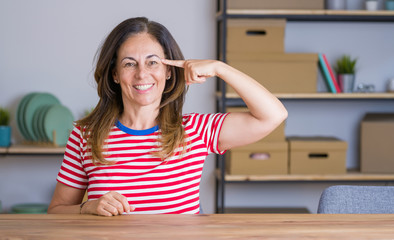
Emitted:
<point x="326" y="74"/>
<point x="333" y="78"/>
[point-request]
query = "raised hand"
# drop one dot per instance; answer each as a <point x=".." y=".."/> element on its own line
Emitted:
<point x="196" y="71"/>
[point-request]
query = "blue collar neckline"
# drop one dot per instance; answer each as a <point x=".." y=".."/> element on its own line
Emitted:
<point x="136" y="132"/>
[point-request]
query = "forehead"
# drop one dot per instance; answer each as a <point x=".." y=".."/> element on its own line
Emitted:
<point x="140" y="45"/>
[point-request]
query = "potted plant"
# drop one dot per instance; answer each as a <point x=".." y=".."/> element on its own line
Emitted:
<point x="346" y="69"/>
<point x="5" y="129"/>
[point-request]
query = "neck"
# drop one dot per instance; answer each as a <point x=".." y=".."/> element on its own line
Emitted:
<point x="139" y="118"/>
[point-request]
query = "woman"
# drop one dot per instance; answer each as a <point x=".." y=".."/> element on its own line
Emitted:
<point x="136" y="152"/>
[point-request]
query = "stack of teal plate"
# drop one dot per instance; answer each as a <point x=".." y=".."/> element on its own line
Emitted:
<point x="30" y="208"/>
<point x="42" y="118"/>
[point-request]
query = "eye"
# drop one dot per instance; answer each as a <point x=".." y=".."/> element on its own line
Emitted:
<point x="152" y="63"/>
<point x="129" y="64"/>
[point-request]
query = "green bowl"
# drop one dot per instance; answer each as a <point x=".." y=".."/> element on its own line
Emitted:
<point x="30" y="208"/>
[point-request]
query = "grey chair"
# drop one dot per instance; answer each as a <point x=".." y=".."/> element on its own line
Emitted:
<point x="357" y="199"/>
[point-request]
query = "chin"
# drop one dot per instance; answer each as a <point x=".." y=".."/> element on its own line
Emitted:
<point x="147" y="102"/>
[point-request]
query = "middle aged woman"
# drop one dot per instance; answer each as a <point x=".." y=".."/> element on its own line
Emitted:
<point x="137" y="152"/>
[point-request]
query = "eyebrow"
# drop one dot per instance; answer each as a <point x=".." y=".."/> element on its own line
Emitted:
<point x="147" y="57"/>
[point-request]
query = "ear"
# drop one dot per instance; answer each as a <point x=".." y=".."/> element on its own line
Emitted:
<point x="168" y="73"/>
<point x="114" y="75"/>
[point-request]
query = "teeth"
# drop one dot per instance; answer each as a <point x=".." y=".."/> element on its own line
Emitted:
<point x="143" y="87"/>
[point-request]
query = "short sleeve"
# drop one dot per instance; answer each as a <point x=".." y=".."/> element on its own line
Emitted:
<point x="71" y="171"/>
<point x="208" y="127"/>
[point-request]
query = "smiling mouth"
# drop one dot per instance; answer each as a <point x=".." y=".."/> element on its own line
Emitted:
<point x="143" y="87"/>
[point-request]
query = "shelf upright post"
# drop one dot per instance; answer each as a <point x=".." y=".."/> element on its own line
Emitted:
<point x="221" y="55"/>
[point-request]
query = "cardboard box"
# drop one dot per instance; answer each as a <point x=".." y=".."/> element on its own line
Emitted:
<point x="277" y="4"/>
<point x="259" y="158"/>
<point x="317" y="155"/>
<point x="377" y="143"/>
<point x="280" y="72"/>
<point x="278" y="135"/>
<point x="255" y="36"/>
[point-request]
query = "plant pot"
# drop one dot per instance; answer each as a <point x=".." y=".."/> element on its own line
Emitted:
<point x="5" y="136"/>
<point x="346" y="82"/>
<point x="390" y="85"/>
<point x="371" y="5"/>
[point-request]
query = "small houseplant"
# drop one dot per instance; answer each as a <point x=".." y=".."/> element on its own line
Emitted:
<point x="346" y="69"/>
<point x="5" y="129"/>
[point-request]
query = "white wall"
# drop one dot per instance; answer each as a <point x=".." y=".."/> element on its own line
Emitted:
<point x="49" y="45"/>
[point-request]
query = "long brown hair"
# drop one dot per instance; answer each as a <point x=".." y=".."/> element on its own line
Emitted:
<point x="97" y="125"/>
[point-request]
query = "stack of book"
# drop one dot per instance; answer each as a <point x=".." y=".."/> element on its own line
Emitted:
<point x="328" y="74"/>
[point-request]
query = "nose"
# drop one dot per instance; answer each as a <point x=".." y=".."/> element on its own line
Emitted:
<point x="141" y="72"/>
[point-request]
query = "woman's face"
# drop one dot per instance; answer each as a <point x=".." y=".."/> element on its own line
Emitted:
<point x="140" y="72"/>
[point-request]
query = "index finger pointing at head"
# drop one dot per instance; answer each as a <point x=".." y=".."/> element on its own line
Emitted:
<point x="176" y="63"/>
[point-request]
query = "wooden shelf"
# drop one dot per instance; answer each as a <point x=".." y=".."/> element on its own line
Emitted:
<point x="336" y="96"/>
<point x="312" y="15"/>
<point x="250" y="210"/>
<point x="308" y="12"/>
<point x="350" y="176"/>
<point x="322" y="95"/>
<point x="32" y="149"/>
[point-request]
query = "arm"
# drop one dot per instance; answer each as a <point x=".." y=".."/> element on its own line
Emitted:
<point x="67" y="200"/>
<point x="266" y="112"/>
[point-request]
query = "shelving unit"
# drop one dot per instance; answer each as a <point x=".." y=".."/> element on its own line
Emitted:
<point x="225" y="100"/>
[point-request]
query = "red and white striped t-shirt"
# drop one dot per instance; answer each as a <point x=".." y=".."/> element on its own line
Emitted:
<point x="151" y="185"/>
